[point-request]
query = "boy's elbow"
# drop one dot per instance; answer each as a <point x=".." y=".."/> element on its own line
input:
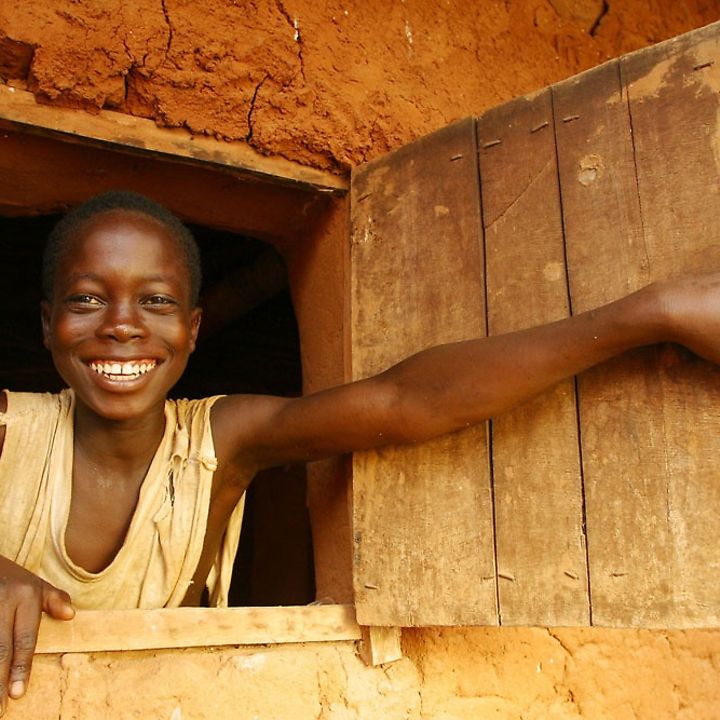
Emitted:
<point x="415" y="418"/>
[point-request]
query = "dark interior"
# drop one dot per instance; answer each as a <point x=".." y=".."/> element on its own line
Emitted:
<point x="248" y="344"/>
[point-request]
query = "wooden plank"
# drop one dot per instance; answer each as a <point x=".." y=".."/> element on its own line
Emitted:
<point x="605" y="245"/>
<point x="381" y="645"/>
<point x="422" y="520"/>
<point x="607" y="258"/>
<point x="650" y="419"/>
<point x="536" y="469"/>
<point x="674" y="107"/>
<point x="39" y="175"/>
<point x="119" y="131"/>
<point x="114" y="630"/>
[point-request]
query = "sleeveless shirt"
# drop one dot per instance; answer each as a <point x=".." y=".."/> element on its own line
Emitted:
<point x="157" y="561"/>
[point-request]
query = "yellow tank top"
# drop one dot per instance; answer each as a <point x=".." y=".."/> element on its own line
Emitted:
<point x="157" y="561"/>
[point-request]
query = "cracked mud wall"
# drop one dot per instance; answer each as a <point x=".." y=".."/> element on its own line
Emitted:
<point x="462" y="674"/>
<point x="328" y="84"/>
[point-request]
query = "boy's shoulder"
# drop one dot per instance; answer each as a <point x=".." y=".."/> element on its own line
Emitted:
<point x="19" y="404"/>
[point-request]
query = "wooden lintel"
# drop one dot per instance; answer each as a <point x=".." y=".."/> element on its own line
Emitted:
<point x="381" y="645"/>
<point x="127" y="133"/>
<point x="116" y="630"/>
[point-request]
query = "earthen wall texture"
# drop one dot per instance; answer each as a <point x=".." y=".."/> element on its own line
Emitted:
<point x="460" y="674"/>
<point x="333" y="84"/>
<point x="330" y="84"/>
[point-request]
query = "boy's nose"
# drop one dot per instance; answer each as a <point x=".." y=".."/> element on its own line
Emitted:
<point x="122" y="324"/>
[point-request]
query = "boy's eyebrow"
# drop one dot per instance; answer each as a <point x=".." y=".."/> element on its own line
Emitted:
<point x="74" y="277"/>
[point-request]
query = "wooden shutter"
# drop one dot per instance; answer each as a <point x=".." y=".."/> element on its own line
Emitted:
<point x="596" y="503"/>
<point x="423" y="520"/>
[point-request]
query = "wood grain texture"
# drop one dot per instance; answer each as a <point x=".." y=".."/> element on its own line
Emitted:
<point x="607" y="258"/>
<point x="674" y="110"/>
<point x="40" y="175"/>
<point x="110" y="630"/>
<point x="639" y="187"/>
<point x="423" y="531"/>
<point x="113" y="130"/>
<point x="538" y="490"/>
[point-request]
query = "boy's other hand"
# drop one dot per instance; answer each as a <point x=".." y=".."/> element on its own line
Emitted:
<point x="23" y="599"/>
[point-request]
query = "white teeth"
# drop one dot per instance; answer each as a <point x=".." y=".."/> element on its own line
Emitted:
<point x="125" y="371"/>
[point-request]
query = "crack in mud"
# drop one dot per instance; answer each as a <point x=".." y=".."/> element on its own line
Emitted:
<point x="251" y="129"/>
<point x="596" y="25"/>
<point x="166" y="15"/>
<point x="297" y="36"/>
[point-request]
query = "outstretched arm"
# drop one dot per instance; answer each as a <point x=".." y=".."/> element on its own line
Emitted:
<point x="449" y="387"/>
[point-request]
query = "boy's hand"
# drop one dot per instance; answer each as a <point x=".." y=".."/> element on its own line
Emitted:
<point x="23" y="598"/>
<point x="691" y="307"/>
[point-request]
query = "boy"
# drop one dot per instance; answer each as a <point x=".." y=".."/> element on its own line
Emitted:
<point x="113" y="497"/>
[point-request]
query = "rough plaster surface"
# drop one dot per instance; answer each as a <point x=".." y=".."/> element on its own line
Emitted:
<point x="328" y="84"/>
<point x="447" y="674"/>
<point x="321" y="681"/>
<point x="554" y="674"/>
<point x="333" y="84"/>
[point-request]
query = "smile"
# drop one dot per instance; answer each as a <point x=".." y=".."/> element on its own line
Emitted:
<point x="122" y="372"/>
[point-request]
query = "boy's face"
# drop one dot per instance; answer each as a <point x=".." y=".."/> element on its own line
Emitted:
<point x="119" y="325"/>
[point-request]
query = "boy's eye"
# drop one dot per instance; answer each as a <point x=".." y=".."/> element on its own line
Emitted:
<point x="159" y="301"/>
<point x="82" y="299"/>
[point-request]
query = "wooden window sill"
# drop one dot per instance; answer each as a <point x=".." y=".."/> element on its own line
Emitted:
<point x="117" y="630"/>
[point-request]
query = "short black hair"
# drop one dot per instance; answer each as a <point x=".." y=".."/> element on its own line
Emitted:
<point x="72" y="222"/>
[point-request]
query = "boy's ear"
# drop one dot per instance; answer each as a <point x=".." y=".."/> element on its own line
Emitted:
<point x="45" y="312"/>
<point x="195" y="319"/>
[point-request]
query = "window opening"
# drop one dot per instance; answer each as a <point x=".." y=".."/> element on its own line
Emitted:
<point x="249" y="344"/>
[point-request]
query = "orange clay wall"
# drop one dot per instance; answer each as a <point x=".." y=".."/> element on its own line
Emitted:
<point x="329" y="83"/>
<point x="332" y="84"/>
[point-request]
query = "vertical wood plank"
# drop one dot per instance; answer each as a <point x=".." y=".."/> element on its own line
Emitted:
<point x="674" y="108"/>
<point x="422" y="519"/>
<point x="636" y="211"/>
<point x="607" y="258"/>
<point x="542" y="570"/>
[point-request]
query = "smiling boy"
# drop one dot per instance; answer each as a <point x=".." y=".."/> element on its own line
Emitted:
<point x="115" y="497"/>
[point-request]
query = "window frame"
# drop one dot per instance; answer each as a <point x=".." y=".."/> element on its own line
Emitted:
<point x="293" y="208"/>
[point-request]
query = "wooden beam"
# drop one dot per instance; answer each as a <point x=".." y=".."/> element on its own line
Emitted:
<point x="42" y="175"/>
<point x="20" y="110"/>
<point x="115" y="630"/>
<point x="381" y="645"/>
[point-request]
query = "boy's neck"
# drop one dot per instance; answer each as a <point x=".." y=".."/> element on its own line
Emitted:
<point x="120" y="443"/>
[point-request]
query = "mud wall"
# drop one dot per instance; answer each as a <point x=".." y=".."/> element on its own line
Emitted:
<point x="504" y="674"/>
<point x="329" y="84"/>
<point x="332" y="86"/>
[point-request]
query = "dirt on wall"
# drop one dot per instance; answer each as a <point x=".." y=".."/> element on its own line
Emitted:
<point x="329" y="84"/>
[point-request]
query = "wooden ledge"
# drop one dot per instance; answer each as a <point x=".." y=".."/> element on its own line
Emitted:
<point x="127" y="133"/>
<point x="114" y="630"/>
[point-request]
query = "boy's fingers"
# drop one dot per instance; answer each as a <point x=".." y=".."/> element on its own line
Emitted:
<point x="27" y="621"/>
<point x="24" y="639"/>
<point x="7" y="620"/>
<point x="18" y="633"/>
<point x="57" y="603"/>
